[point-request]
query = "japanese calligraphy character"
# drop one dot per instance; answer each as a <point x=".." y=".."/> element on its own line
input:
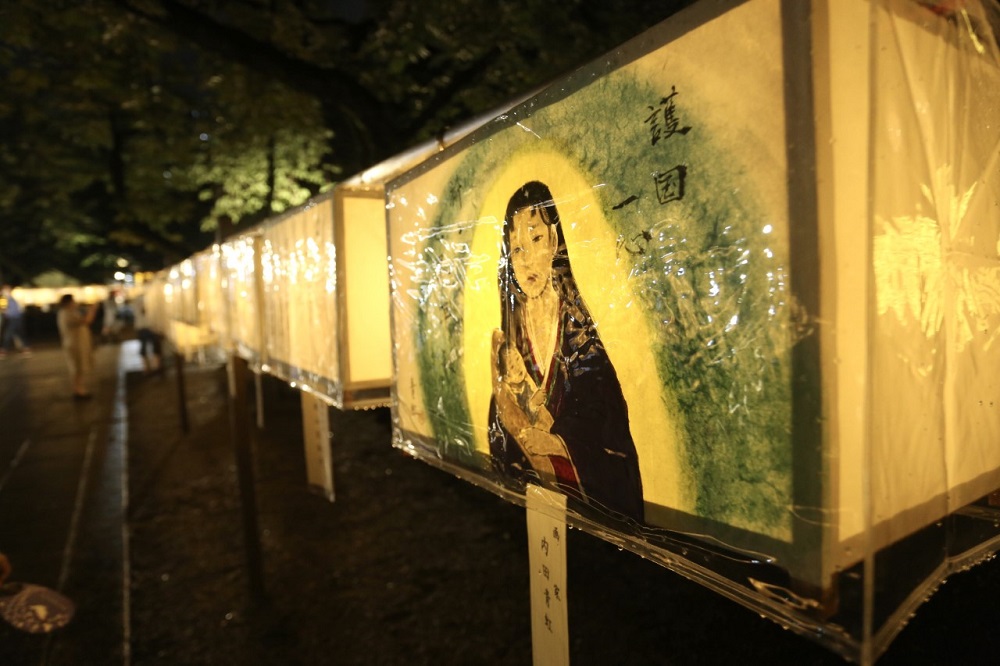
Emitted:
<point x="670" y="184"/>
<point x="665" y="113"/>
<point x="637" y="245"/>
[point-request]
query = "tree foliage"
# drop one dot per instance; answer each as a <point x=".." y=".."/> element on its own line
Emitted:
<point x="135" y="128"/>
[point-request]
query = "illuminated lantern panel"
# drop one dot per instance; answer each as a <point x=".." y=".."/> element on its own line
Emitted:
<point x="363" y="331"/>
<point x="185" y="324"/>
<point x="362" y="274"/>
<point x="325" y="292"/>
<point x="240" y="269"/>
<point x="212" y="317"/>
<point x="298" y="274"/>
<point x="156" y="300"/>
<point x="734" y="290"/>
<point x="186" y="292"/>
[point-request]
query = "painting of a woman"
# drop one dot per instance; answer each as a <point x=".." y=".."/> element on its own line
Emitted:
<point x="557" y="413"/>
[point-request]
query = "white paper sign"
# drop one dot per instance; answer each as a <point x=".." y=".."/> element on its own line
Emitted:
<point x="547" y="559"/>
<point x="316" y="433"/>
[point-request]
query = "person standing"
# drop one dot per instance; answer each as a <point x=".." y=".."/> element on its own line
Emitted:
<point x="149" y="340"/>
<point x="110" y="325"/>
<point x="13" y="325"/>
<point x="74" y="330"/>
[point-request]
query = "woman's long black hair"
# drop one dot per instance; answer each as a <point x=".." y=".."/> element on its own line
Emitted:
<point x="536" y="197"/>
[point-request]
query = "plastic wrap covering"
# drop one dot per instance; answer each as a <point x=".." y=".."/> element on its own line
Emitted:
<point x="185" y="292"/>
<point x="363" y="295"/>
<point x="156" y="298"/>
<point x="933" y="334"/>
<point x="173" y="294"/>
<point x="363" y="330"/>
<point x="212" y="319"/>
<point x="298" y="271"/>
<point x="733" y="291"/>
<point x="181" y="309"/>
<point x="241" y="270"/>
<point x="195" y="309"/>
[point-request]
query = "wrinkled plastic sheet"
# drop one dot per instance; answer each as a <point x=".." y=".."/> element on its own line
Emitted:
<point x="241" y="269"/>
<point x="299" y="290"/>
<point x="733" y="290"/>
<point x="185" y="304"/>
<point x="324" y="292"/>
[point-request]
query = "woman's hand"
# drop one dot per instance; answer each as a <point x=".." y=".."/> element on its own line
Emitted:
<point x="537" y="442"/>
<point x="542" y="416"/>
<point x="513" y="418"/>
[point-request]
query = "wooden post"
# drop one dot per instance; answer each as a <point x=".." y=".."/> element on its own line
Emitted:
<point x="239" y="375"/>
<point x="258" y="391"/>
<point x="181" y="391"/>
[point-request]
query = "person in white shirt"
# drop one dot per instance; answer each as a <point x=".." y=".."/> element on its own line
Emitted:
<point x="74" y="330"/>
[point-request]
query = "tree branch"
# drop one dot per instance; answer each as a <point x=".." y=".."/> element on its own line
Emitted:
<point x="343" y="99"/>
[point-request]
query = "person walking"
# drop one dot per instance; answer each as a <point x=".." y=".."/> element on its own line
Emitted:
<point x="149" y="340"/>
<point x="13" y="325"/>
<point x="74" y="330"/>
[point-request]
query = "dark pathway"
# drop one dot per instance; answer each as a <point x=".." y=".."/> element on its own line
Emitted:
<point x="61" y="501"/>
<point x="408" y="566"/>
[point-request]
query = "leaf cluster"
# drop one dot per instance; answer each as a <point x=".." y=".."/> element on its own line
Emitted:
<point x="138" y="129"/>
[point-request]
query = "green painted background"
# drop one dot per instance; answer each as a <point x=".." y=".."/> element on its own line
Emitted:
<point x="712" y="284"/>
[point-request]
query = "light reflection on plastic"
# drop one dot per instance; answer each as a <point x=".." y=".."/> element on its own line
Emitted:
<point x="331" y="272"/>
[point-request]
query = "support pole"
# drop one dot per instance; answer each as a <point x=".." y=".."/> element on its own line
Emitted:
<point x="239" y="375"/>
<point x="258" y="391"/>
<point x="181" y="392"/>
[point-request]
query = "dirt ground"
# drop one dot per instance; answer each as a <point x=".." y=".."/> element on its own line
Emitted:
<point x="412" y="566"/>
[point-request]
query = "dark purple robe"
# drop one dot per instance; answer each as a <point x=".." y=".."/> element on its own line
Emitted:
<point x="589" y="413"/>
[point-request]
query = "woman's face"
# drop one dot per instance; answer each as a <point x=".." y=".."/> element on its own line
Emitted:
<point x="532" y="244"/>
